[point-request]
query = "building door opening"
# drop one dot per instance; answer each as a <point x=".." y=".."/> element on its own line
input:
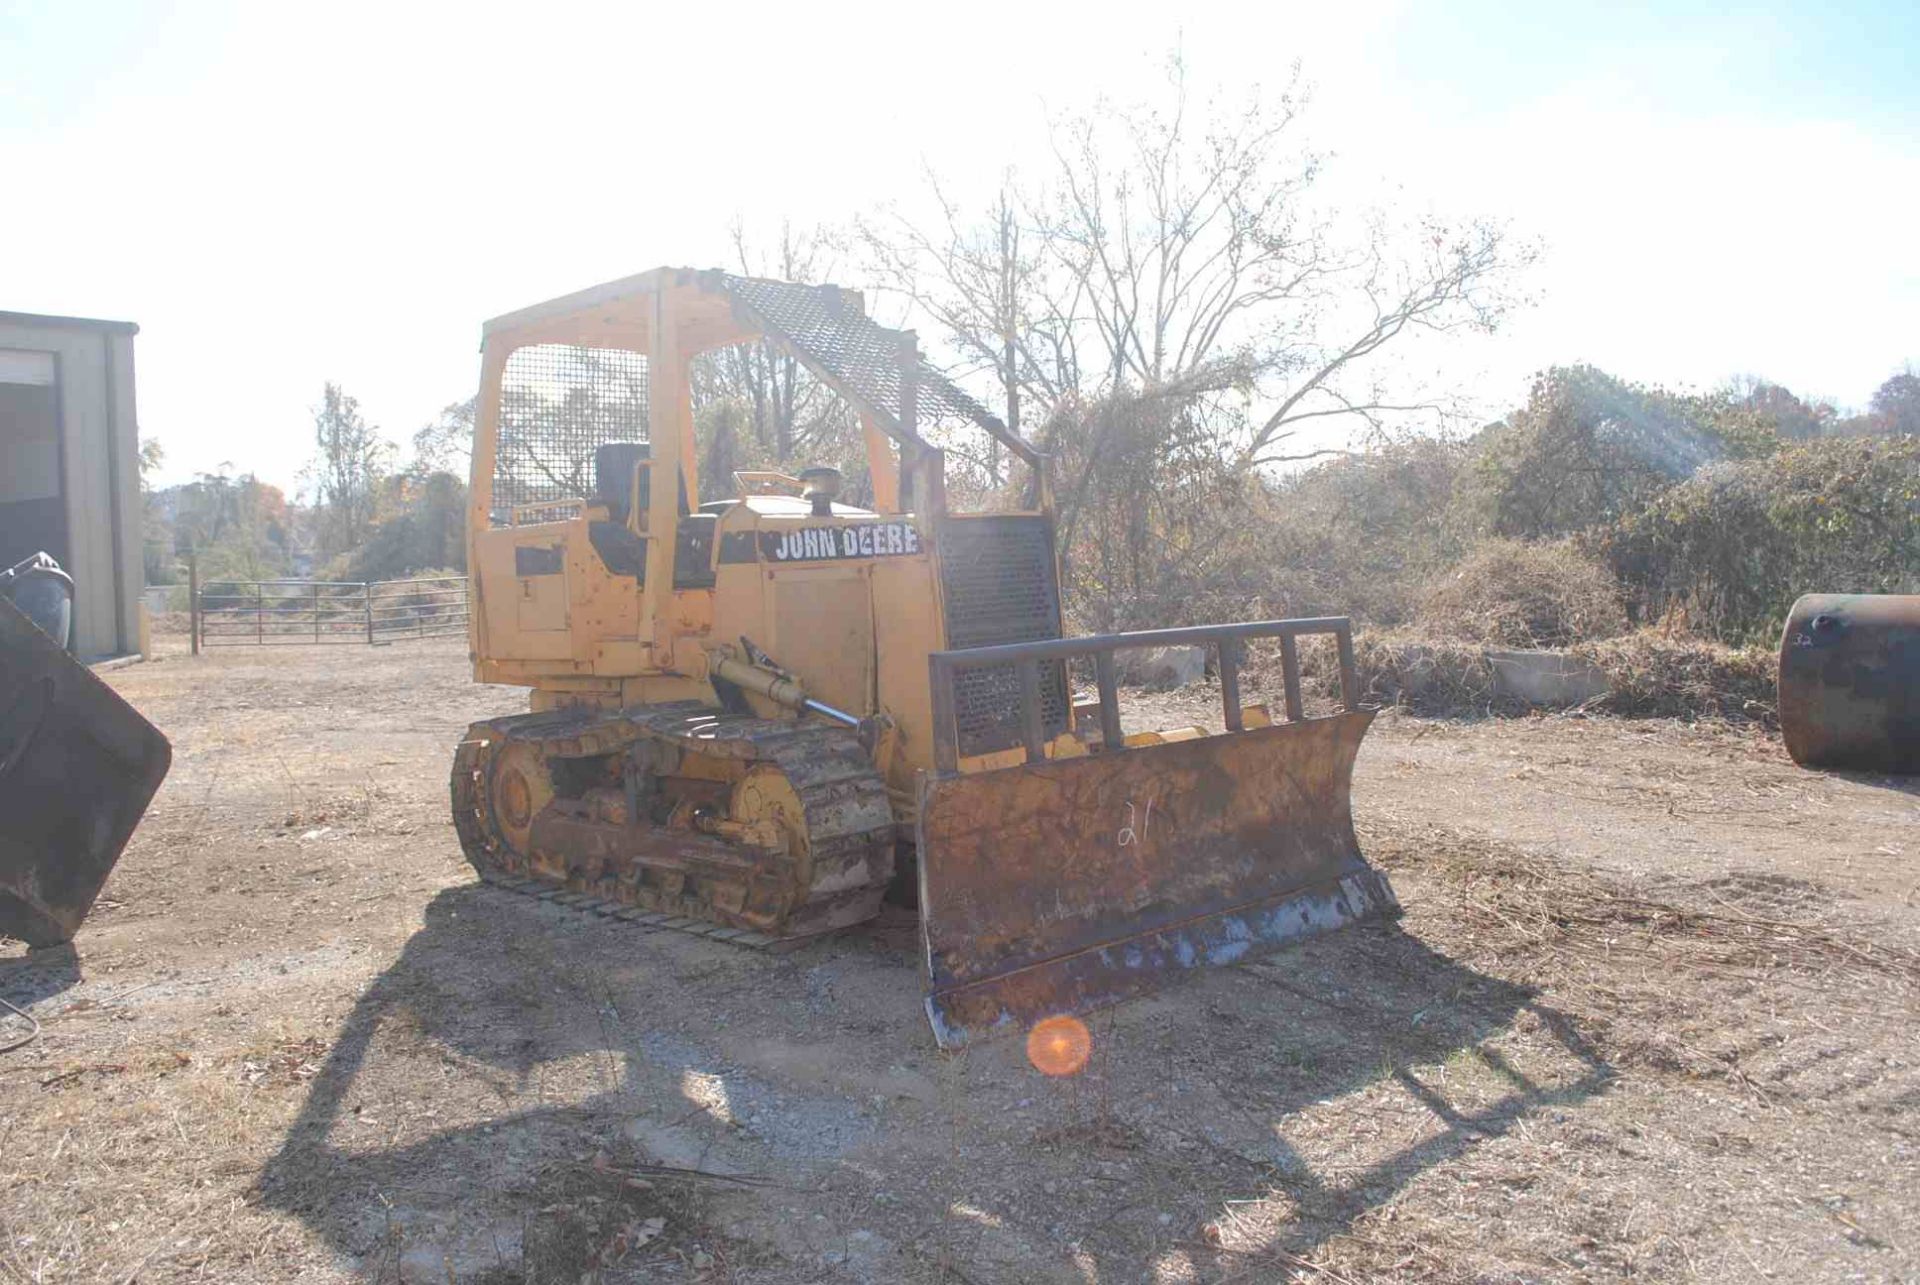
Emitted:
<point x="33" y="510"/>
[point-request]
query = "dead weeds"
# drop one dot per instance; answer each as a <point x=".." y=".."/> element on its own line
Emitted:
<point x="1649" y="674"/>
<point x="1558" y="1069"/>
<point x="1512" y="902"/>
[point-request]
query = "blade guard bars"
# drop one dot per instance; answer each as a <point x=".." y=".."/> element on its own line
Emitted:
<point x="1066" y="884"/>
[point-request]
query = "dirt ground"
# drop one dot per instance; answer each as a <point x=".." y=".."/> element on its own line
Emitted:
<point x="1651" y="1013"/>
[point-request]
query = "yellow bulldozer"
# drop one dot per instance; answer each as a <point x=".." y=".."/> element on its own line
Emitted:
<point x="754" y="716"/>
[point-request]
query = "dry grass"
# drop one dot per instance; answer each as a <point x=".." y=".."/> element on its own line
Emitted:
<point x="1508" y="593"/>
<point x="1510" y="902"/>
<point x="333" y="1059"/>
<point x="1426" y="675"/>
<point x="1738" y="1022"/>
<point x="1652" y="674"/>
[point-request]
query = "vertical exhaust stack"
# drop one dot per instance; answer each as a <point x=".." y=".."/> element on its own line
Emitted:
<point x="1850" y="682"/>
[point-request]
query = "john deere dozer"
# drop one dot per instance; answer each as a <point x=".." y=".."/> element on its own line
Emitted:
<point x="748" y="714"/>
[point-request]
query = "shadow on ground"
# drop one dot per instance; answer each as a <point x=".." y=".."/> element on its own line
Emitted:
<point x="512" y="1043"/>
<point x="1878" y="780"/>
<point x="40" y="974"/>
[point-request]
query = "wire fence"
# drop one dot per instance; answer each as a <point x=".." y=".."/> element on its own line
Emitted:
<point x="266" y="613"/>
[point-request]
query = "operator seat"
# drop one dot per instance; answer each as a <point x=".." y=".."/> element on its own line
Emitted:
<point x="624" y="553"/>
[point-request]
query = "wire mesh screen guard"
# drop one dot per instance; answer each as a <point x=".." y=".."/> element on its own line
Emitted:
<point x="557" y="403"/>
<point x="824" y="328"/>
<point x="560" y="401"/>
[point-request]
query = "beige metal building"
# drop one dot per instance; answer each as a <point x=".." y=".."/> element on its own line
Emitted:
<point x="69" y="466"/>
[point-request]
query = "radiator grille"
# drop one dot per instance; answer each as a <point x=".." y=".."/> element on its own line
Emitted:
<point x="998" y="576"/>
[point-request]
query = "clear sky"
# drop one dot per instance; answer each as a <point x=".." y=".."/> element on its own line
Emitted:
<point x="283" y="194"/>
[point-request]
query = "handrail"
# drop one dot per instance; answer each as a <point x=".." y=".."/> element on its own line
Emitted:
<point x="1227" y="641"/>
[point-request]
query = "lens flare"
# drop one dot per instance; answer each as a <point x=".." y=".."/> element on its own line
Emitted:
<point x="1059" y="1045"/>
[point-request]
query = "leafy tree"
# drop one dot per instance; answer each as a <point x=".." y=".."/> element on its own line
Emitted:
<point x="445" y="445"/>
<point x="1896" y="404"/>
<point x="419" y="526"/>
<point x="152" y="456"/>
<point x="237" y="526"/>
<point x="1785" y="415"/>
<point x="350" y="460"/>
<point x="1729" y="549"/>
<point x="1584" y="450"/>
<point x="156" y="526"/>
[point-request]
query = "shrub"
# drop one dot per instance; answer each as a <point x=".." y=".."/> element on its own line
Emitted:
<point x="1437" y="676"/>
<point x="1512" y="594"/>
<point x="1157" y="529"/>
<point x="1585" y="449"/>
<point x="1656" y="676"/>
<point x="1360" y="536"/>
<point x="1649" y="675"/>
<point x="1727" y="551"/>
<point x="1152" y="523"/>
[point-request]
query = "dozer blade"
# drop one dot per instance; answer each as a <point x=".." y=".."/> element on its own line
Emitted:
<point x="1066" y="884"/>
<point x="77" y="769"/>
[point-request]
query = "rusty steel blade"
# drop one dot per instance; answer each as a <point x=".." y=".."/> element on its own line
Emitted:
<point x="77" y="768"/>
<point x="1060" y="886"/>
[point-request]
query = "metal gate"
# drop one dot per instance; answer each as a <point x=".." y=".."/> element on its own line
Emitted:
<point x="265" y="613"/>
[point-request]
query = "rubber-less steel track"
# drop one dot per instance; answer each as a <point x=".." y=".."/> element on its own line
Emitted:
<point x="675" y="878"/>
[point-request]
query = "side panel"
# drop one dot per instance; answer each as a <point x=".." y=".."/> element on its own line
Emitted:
<point x="908" y="627"/>
<point x="70" y="395"/>
<point x="526" y="614"/>
<point x="547" y="595"/>
<point x="601" y="607"/>
<point x="740" y="603"/>
<point x="822" y="630"/>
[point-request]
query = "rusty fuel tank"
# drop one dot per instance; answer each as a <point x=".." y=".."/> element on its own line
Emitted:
<point x="1850" y="682"/>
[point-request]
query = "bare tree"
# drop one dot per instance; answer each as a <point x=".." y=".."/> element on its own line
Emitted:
<point x="1176" y="250"/>
<point x="788" y="414"/>
<point x="990" y="288"/>
<point x="1166" y="310"/>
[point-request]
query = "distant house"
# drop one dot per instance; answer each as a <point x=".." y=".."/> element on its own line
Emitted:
<point x="69" y="466"/>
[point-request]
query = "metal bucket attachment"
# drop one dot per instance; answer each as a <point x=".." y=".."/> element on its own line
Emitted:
<point x="1850" y="682"/>
<point x="1070" y="882"/>
<point x="78" y="767"/>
